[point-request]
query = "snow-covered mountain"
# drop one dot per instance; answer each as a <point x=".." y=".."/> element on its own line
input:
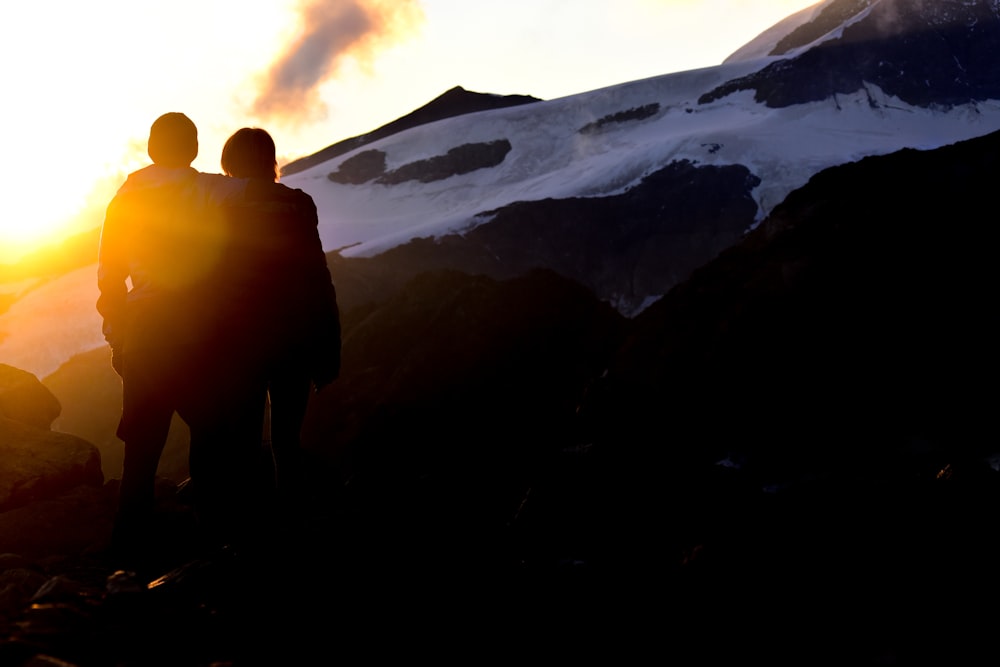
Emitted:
<point x="795" y="427"/>
<point x="831" y="84"/>
<point x="629" y="188"/>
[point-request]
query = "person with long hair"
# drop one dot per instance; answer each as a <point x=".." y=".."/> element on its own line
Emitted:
<point x="280" y="304"/>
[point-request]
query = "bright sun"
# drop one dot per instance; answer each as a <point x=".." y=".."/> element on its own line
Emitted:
<point x="39" y="198"/>
<point x="46" y="207"/>
<point x="58" y="133"/>
<point x="84" y="87"/>
<point x="50" y="201"/>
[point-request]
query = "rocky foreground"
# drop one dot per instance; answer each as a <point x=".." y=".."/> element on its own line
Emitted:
<point x="326" y="581"/>
<point x="708" y="568"/>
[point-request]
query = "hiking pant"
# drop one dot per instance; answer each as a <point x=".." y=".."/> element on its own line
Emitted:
<point x="156" y="383"/>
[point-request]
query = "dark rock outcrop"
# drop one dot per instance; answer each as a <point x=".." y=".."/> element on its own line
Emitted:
<point x="856" y="314"/>
<point x="804" y="420"/>
<point x="370" y="165"/>
<point x="361" y="168"/>
<point x="24" y="399"/>
<point x="40" y="464"/>
<point x="462" y="384"/>
<point x="627" y="248"/>
<point x="458" y="160"/>
<point x="611" y="120"/>
<point x="62" y="525"/>
<point x="943" y="54"/>
<point x="54" y="507"/>
<point x="834" y="15"/>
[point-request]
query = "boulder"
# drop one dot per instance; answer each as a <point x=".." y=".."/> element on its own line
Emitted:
<point x="39" y="464"/>
<point x="23" y="398"/>
<point x="78" y="521"/>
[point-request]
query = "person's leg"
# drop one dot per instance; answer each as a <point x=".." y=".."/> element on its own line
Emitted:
<point x="289" y="391"/>
<point x="145" y="423"/>
<point x="225" y="416"/>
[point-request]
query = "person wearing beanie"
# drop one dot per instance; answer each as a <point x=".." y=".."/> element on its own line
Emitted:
<point x="160" y="247"/>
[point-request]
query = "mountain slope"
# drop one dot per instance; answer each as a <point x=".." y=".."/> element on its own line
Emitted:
<point x="941" y="53"/>
<point x="799" y="427"/>
<point x="880" y="76"/>
<point x="852" y="326"/>
<point x="454" y="102"/>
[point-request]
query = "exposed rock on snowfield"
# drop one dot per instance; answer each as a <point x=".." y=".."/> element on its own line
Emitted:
<point x="937" y="54"/>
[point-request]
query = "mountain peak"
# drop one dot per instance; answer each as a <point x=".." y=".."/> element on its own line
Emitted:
<point x="456" y="101"/>
<point x="927" y="54"/>
<point x="830" y="17"/>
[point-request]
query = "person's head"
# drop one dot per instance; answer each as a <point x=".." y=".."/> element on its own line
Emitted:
<point x="250" y="153"/>
<point x="173" y="140"/>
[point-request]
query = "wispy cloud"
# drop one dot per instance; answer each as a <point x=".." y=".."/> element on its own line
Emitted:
<point x="330" y="32"/>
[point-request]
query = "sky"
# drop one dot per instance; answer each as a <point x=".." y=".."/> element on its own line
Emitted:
<point x="84" y="81"/>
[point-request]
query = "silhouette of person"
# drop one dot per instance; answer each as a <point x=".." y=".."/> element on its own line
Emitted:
<point x="281" y="304"/>
<point x="161" y="242"/>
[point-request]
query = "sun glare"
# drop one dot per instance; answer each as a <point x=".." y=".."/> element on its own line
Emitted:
<point x="86" y="89"/>
<point x="43" y="203"/>
<point x="52" y="199"/>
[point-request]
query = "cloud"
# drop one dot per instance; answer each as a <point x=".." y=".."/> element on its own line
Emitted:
<point x="330" y="32"/>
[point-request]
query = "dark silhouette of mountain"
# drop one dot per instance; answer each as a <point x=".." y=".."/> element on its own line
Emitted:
<point x="488" y="374"/>
<point x="454" y="102"/>
<point x="804" y="416"/>
<point x="854" y="315"/>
